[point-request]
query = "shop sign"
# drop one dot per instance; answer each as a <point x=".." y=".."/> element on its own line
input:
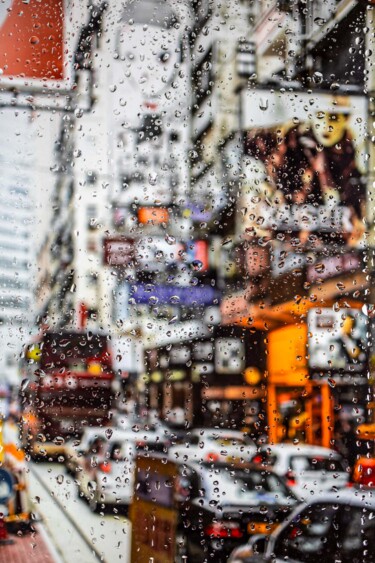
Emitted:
<point x="153" y="215"/>
<point x="118" y="251"/>
<point x="202" y="350"/>
<point x="32" y="39"/>
<point x="179" y="355"/>
<point x="175" y="295"/>
<point x="162" y="333"/>
<point x="286" y="358"/>
<point x="229" y="355"/>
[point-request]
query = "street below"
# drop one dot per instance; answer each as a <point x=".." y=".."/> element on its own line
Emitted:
<point x="77" y="533"/>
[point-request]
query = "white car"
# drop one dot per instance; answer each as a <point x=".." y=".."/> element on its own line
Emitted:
<point x="309" y="470"/>
<point x="207" y="444"/>
<point x="105" y="475"/>
<point x="75" y="450"/>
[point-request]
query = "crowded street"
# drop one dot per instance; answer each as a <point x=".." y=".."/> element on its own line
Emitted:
<point x="187" y="281"/>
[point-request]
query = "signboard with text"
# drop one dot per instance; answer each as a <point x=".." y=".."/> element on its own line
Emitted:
<point x="118" y="251"/>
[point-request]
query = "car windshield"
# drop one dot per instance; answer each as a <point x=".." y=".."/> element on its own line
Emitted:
<point x="233" y="485"/>
<point x="227" y="439"/>
<point x="316" y="463"/>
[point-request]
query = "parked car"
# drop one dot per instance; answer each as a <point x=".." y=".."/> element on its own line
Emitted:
<point x="221" y="504"/>
<point x="75" y="450"/>
<point x="123" y="421"/>
<point x="207" y="444"/>
<point x="106" y="470"/>
<point x="333" y="527"/>
<point x="308" y="469"/>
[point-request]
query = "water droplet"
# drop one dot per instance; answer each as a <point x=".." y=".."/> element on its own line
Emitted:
<point x="196" y="265"/>
<point x="108" y="433"/>
<point x="153" y="178"/>
<point x="331" y="382"/>
<point x="34" y="40"/>
<point x="24" y="384"/>
<point x="91" y="486"/>
<point x="169" y="239"/>
<point x="60" y="479"/>
<point x="319" y="21"/>
<point x="320" y="268"/>
<point x="317" y="77"/>
<point x="263" y="104"/>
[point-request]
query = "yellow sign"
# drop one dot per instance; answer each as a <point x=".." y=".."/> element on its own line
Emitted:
<point x="152" y="512"/>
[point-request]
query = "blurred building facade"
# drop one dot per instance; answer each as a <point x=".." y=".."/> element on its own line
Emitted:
<point x="227" y="168"/>
<point x="16" y="217"/>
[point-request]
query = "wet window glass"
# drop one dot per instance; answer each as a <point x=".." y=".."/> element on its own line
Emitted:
<point x="187" y="319"/>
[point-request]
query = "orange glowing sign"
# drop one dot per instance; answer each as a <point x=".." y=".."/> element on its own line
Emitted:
<point x="155" y="215"/>
<point x="287" y="350"/>
<point x="31" y="39"/>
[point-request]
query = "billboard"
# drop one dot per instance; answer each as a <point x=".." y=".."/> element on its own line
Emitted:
<point x="32" y="39"/>
<point x="286" y="359"/>
<point x="303" y="167"/>
<point x="337" y="342"/>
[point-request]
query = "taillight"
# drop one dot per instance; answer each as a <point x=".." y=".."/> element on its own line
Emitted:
<point x="212" y="456"/>
<point x="224" y="530"/>
<point x="257" y="459"/>
<point x="290" y="478"/>
<point x="105" y="467"/>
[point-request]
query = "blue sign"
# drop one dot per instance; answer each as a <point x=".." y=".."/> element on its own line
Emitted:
<point x="175" y="295"/>
<point x="6" y="486"/>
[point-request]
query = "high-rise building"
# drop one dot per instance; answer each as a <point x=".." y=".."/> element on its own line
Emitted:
<point x="16" y="219"/>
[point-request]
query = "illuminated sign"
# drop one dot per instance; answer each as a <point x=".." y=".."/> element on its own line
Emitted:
<point x="286" y="359"/>
<point x="175" y="295"/>
<point x="229" y="355"/>
<point x="154" y="215"/>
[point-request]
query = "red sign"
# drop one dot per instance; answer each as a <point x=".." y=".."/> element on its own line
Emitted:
<point x="118" y="251"/>
<point x="31" y="39"/>
<point x="154" y="215"/>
